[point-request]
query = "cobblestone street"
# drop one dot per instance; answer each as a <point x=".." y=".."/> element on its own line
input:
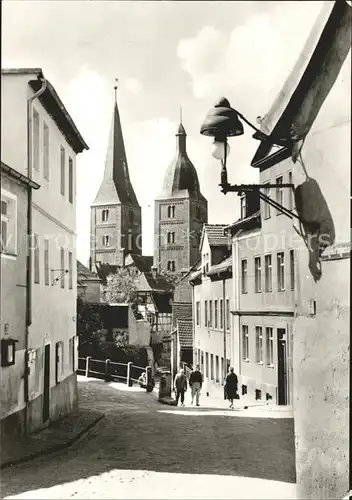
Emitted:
<point x="143" y="449"/>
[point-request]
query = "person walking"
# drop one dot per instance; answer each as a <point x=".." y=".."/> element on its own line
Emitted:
<point x="231" y="387"/>
<point x="180" y="386"/>
<point x="195" y="383"/>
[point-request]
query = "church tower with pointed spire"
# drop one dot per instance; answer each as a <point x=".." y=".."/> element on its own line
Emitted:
<point x="116" y="219"/>
<point x="180" y="212"/>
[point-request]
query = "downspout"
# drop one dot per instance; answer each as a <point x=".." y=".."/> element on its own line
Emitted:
<point x="194" y="324"/>
<point x="236" y="278"/>
<point x="29" y="245"/>
<point x="224" y="327"/>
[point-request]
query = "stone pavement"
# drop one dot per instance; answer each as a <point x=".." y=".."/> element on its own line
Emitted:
<point x="58" y="435"/>
<point x="143" y="449"/>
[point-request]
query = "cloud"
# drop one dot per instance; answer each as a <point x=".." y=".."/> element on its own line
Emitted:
<point x="132" y="85"/>
<point x="252" y="62"/>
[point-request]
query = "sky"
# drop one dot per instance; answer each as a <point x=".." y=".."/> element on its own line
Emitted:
<point x="166" y="55"/>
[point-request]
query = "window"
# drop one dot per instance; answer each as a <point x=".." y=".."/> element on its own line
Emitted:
<point x="269" y="346"/>
<point x="257" y="274"/>
<point x="227" y="314"/>
<point x="244" y="390"/>
<point x="258" y="394"/>
<point x="70" y="180"/>
<point x="206" y="313"/>
<point x="244" y="275"/>
<point x="210" y="313"/>
<point x="259" y="344"/>
<point x="292" y="269"/>
<point x="290" y="191"/>
<point x="171" y="266"/>
<point x="70" y="271"/>
<point x="221" y="314"/>
<point x="217" y="374"/>
<point x="207" y="364"/>
<point x="46" y="262"/>
<point x="36" y="133"/>
<point x="45" y="151"/>
<point x="171" y="211"/>
<point x="280" y="271"/>
<point x="4" y="226"/>
<point x="222" y="368"/>
<point x="198" y="313"/>
<point x="279" y="193"/>
<point x="211" y="366"/>
<point x="198" y="216"/>
<point x="215" y="313"/>
<point x="171" y="237"/>
<point x="8" y="223"/>
<point x="62" y="170"/>
<point x="245" y="343"/>
<point x="36" y="258"/>
<point x="106" y="240"/>
<point x="268" y="273"/>
<point x="131" y="216"/>
<point x="105" y="215"/>
<point x="59" y="348"/>
<point x="266" y="206"/>
<point x="62" y="258"/>
<point x="243" y="207"/>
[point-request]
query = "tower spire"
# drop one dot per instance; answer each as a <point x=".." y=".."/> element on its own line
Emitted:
<point x="181" y="115"/>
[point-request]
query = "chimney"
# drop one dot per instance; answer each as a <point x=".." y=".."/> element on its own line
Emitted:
<point x="154" y="270"/>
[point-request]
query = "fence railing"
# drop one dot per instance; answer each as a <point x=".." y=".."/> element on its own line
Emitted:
<point x="110" y="370"/>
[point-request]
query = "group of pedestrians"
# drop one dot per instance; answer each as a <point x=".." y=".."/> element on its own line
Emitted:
<point x="196" y="381"/>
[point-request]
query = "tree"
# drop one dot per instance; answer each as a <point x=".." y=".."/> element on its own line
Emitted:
<point x="172" y="277"/>
<point x="121" y="286"/>
<point x="89" y="326"/>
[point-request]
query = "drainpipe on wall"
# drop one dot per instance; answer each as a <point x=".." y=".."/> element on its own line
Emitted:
<point x="224" y="326"/>
<point x="236" y="277"/>
<point x="29" y="244"/>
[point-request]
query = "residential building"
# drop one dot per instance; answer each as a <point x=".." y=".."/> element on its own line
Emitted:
<point x="212" y="306"/>
<point x="88" y="285"/>
<point x="116" y="219"/>
<point x="263" y="263"/>
<point x="49" y="159"/>
<point x="180" y="212"/>
<point x="313" y="110"/>
<point x="14" y="299"/>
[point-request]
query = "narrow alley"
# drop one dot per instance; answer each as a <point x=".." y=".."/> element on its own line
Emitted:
<point x="143" y="449"/>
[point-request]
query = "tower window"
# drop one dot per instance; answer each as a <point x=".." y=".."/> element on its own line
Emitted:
<point x="171" y="265"/>
<point x="105" y="215"/>
<point x="198" y="213"/>
<point x="131" y="216"/>
<point x="171" y="211"/>
<point x="171" y="237"/>
<point x="106" y="240"/>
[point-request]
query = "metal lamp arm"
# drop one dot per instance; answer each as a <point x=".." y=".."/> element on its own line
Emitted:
<point x="249" y="123"/>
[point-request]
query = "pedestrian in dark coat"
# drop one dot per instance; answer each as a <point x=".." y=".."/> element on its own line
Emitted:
<point x="231" y="387"/>
<point x="180" y="385"/>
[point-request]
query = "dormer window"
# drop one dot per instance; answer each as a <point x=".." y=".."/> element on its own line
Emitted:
<point x="171" y="211"/>
<point x="106" y="240"/>
<point x="105" y="215"/>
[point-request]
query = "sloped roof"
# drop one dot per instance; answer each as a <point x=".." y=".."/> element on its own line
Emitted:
<point x="142" y="262"/>
<point x="84" y="274"/>
<point x="185" y="333"/>
<point x="249" y="223"/>
<point x="181" y="311"/>
<point x="216" y="235"/>
<point x="162" y="302"/>
<point x="104" y="270"/>
<point x="158" y="282"/>
<point x="224" y="265"/>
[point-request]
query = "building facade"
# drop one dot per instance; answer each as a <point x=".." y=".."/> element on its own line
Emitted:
<point x="313" y="109"/>
<point x="48" y="158"/>
<point x="180" y="212"/>
<point x="116" y="219"/>
<point x="14" y="229"/>
<point x="213" y="302"/>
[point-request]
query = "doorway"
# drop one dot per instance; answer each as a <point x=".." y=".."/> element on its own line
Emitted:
<point x="46" y="388"/>
<point x="281" y="366"/>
